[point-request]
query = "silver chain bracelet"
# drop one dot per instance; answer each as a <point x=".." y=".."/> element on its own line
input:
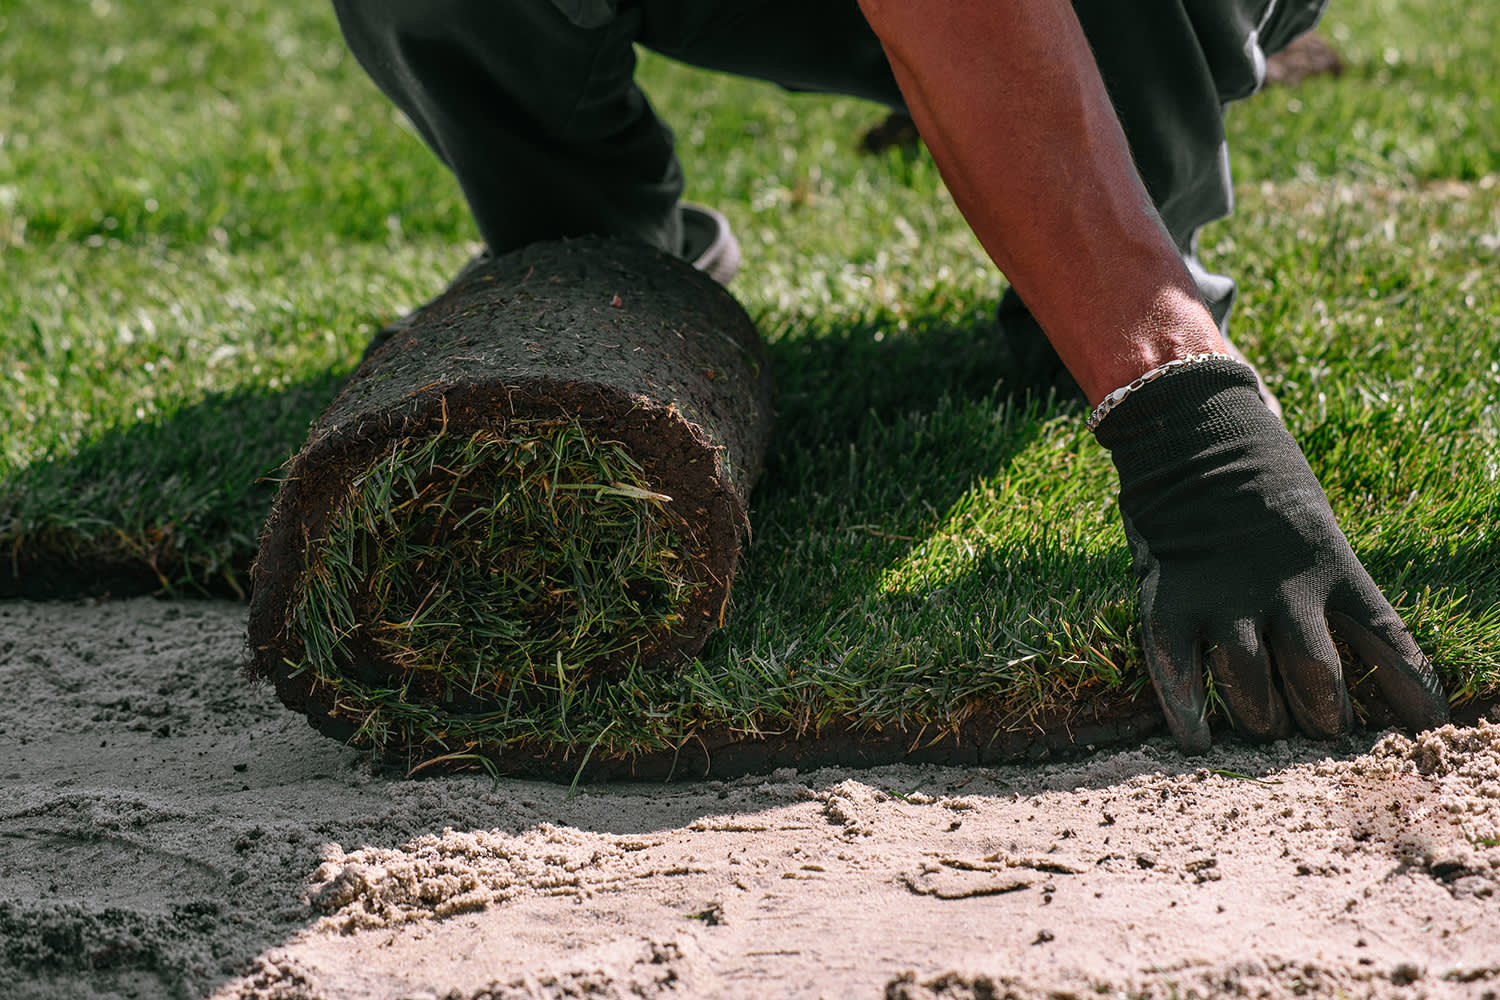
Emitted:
<point x="1115" y="398"/>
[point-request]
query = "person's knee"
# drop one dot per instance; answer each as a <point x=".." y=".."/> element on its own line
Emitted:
<point x="588" y="13"/>
<point x="390" y="17"/>
<point x="531" y="21"/>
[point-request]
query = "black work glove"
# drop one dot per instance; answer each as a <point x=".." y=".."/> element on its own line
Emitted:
<point x="1243" y="570"/>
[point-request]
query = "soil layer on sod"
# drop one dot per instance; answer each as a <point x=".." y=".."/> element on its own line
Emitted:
<point x="540" y="481"/>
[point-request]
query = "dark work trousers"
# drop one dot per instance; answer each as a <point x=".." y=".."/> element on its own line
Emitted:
<point x="534" y="106"/>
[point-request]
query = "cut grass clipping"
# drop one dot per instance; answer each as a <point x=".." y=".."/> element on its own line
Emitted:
<point x="537" y="485"/>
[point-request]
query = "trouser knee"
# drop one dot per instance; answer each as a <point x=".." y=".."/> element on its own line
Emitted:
<point x="533" y="105"/>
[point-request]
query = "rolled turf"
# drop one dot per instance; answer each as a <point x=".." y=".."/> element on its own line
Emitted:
<point x="540" y="480"/>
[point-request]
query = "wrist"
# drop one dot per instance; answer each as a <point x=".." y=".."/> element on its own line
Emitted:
<point x="1172" y="326"/>
<point x="1192" y="408"/>
<point x="1118" y="396"/>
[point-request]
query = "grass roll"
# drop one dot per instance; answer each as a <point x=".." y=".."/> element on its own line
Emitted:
<point x="538" y="480"/>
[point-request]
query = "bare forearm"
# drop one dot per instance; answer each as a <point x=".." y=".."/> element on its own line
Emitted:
<point x="1009" y="101"/>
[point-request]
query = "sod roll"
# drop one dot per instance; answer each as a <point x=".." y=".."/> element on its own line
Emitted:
<point x="540" y="480"/>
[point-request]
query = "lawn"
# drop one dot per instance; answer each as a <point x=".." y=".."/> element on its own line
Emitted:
<point x="206" y="211"/>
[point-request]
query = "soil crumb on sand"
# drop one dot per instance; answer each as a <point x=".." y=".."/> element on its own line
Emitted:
<point x="168" y="832"/>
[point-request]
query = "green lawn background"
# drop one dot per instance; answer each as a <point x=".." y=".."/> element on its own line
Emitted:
<point x="205" y="211"/>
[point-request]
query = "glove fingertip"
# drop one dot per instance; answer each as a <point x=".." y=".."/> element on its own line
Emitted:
<point x="1177" y="675"/>
<point x="1193" y="741"/>
<point x="1405" y="677"/>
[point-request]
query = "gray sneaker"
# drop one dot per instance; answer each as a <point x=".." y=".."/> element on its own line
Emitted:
<point x="708" y="244"/>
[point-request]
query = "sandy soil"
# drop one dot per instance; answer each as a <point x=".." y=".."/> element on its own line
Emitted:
<point x="167" y="831"/>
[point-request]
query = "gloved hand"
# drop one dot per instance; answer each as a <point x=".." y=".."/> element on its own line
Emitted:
<point x="1242" y="568"/>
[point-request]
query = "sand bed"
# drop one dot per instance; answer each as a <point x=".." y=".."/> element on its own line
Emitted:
<point x="168" y="831"/>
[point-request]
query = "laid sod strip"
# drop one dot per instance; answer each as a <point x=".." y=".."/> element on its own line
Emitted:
<point x="930" y="555"/>
<point x="541" y="479"/>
